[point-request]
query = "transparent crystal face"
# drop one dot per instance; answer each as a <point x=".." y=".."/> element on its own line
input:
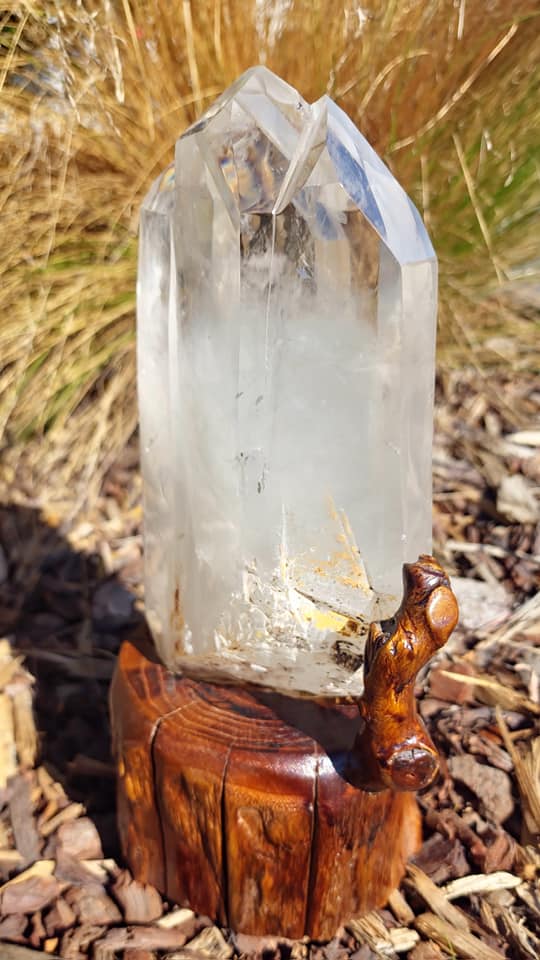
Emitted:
<point x="286" y="327"/>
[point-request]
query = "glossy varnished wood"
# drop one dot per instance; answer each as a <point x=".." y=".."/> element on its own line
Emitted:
<point x="228" y="806"/>
<point x="393" y="748"/>
<point x="135" y="714"/>
<point x="273" y="814"/>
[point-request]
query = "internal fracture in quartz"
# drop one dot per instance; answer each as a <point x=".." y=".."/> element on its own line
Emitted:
<point x="286" y="328"/>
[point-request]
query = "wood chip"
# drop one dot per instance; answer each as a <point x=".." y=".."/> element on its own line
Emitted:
<point x="400" y="908"/>
<point x="52" y="790"/>
<point x="531" y="898"/>
<point x="144" y="938"/>
<point x="426" y="951"/>
<point x="82" y="871"/>
<point x="402" y="939"/>
<point x="530" y="438"/>
<point x="481" y="605"/>
<point x="8" y="751"/>
<point x="176" y="918"/>
<point x="71" y="812"/>
<point x="26" y="737"/>
<point x="442" y="859"/>
<point x="257" y="948"/>
<point x="480" y="883"/>
<point x="27" y="896"/>
<point x="5" y="834"/>
<point x="524" y="943"/>
<point x="38" y="932"/>
<point x="93" y="905"/>
<point x="449" y="937"/>
<point x="79" y="838"/>
<point x="77" y="943"/>
<point x="435" y="898"/>
<point x="41" y="868"/>
<point x="443" y="687"/>
<point x="10" y="859"/>
<point x="492" y="787"/>
<point x="211" y="942"/>
<point x="496" y="695"/>
<point x="21" y="813"/>
<point x="140" y="902"/>
<point x="11" y="951"/>
<point x="516" y="500"/>
<point x="103" y="868"/>
<point x="61" y="917"/>
<point x="9" y="665"/>
<point x="13" y="927"/>
<point x="372" y="931"/>
<point x="528" y="778"/>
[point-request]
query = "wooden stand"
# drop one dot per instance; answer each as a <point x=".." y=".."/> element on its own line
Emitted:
<point x="246" y="805"/>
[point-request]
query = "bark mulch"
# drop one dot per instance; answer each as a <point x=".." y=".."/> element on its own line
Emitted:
<point x="70" y="588"/>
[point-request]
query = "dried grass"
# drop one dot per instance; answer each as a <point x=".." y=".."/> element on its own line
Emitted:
<point x="93" y="96"/>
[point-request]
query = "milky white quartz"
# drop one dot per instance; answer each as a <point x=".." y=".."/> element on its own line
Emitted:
<point x="286" y="328"/>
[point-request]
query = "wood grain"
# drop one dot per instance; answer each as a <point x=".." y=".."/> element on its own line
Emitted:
<point x="190" y="770"/>
<point x="360" y="846"/>
<point x="135" y="713"/>
<point x="394" y="749"/>
<point x="276" y="815"/>
<point x="269" y="814"/>
<point x="228" y="806"/>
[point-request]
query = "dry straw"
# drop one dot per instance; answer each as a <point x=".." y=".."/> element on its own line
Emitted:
<point x="93" y="96"/>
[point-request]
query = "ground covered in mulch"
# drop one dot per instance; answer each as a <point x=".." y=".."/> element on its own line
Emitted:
<point x="70" y="588"/>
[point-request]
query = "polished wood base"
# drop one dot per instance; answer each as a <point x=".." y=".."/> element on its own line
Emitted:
<point x="272" y="814"/>
<point x="240" y="803"/>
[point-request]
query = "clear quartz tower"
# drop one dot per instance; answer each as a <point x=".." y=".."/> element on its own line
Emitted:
<point x="286" y="326"/>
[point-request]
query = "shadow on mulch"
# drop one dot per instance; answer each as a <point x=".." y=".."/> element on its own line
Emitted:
<point x="67" y="616"/>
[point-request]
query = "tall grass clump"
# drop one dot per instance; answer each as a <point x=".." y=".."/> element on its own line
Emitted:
<point x="93" y="94"/>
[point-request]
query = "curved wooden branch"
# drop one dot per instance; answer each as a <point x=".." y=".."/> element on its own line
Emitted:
<point x="393" y="748"/>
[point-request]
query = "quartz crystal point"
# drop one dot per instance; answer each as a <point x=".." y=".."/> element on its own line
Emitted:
<point x="286" y="328"/>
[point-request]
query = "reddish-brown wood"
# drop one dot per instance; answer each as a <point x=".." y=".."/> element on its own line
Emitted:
<point x="246" y="804"/>
<point x="135" y="713"/>
<point x="244" y="812"/>
<point x="394" y="748"/>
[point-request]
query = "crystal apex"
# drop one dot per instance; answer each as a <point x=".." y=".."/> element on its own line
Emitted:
<point x="290" y="123"/>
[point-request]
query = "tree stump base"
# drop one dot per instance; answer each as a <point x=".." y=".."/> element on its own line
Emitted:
<point x="236" y="803"/>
